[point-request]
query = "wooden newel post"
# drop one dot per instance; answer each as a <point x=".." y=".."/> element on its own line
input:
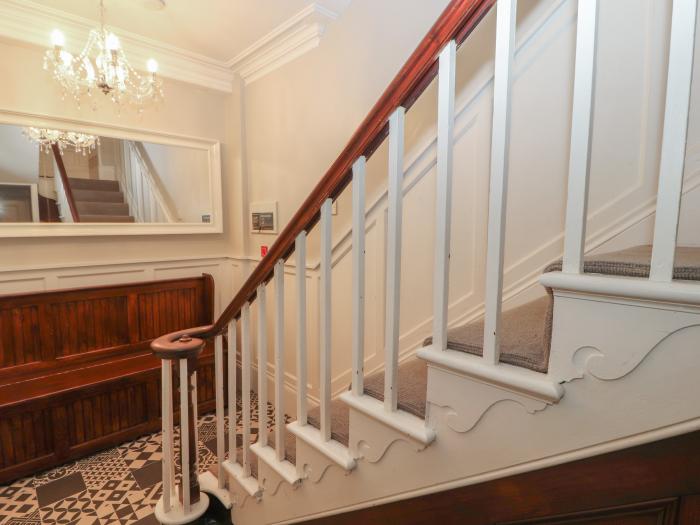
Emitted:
<point x="181" y="350"/>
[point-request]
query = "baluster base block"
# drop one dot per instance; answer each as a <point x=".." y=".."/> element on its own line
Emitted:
<point x="249" y="483"/>
<point x="177" y="515"/>
<point x="209" y="483"/>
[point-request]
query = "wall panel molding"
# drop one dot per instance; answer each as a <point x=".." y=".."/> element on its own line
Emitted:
<point x="42" y="277"/>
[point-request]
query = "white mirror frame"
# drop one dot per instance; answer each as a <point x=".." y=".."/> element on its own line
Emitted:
<point x="212" y="147"/>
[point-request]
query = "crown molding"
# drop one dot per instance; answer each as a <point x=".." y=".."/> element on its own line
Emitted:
<point x="28" y="22"/>
<point x="291" y="39"/>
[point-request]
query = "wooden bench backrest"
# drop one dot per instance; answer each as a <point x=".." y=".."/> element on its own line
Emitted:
<point x="48" y="331"/>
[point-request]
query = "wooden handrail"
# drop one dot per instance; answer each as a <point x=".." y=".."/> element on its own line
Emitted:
<point x="65" y="183"/>
<point x="457" y="22"/>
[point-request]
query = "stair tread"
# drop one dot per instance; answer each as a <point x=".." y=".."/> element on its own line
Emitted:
<point x="340" y="421"/>
<point x="290" y="449"/>
<point x="413" y="387"/>
<point x="636" y="262"/>
<point x="98" y="195"/>
<point x="525" y="335"/>
<point x="527" y="329"/>
<point x="105" y="218"/>
<point x="102" y="208"/>
<point x="93" y="184"/>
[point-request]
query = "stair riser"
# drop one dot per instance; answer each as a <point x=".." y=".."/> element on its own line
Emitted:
<point x="94" y="184"/>
<point x="106" y="218"/>
<point x="103" y="208"/>
<point x="98" y="196"/>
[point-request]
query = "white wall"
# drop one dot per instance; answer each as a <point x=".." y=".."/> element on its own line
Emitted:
<point x="298" y="119"/>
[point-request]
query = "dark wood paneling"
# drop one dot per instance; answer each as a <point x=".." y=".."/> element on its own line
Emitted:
<point x="18" y="329"/>
<point x="76" y="371"/>
<point x="91" y="324"/>
<point x="660" y="512"/>
<point x="55" y="330"/>
<point x="657" y="483"/>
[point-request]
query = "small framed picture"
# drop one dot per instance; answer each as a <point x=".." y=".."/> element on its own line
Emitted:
<point x="263" y="217"/>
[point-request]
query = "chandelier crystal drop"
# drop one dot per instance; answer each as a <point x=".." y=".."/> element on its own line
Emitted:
<point x="81" y="142"/>
<point x="102" y="66"/>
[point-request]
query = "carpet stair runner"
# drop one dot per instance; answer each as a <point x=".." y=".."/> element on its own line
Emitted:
<point x="99" y="200"/>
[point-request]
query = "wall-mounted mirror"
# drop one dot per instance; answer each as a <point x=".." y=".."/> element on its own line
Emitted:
<point x="82" y="180"/>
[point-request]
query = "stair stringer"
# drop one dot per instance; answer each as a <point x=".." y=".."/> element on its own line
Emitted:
<point x="464" y="401"/>
<point x="627" y="331"/>
<point x="312" y="465"/>
<point x="270" y="481"/>
<point x="370" y="439"/>
<point x="243" y="489"/>
<point x="657" y="399"/>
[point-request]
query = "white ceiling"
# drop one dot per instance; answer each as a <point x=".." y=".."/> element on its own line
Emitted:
<point x="217" y="29"/>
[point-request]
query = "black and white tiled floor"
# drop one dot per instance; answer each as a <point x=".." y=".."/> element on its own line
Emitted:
<point x="118" y="486"/>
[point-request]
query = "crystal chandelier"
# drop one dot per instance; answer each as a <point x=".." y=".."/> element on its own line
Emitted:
<point x="80" y="142"/>
<point x="102" y="65"/>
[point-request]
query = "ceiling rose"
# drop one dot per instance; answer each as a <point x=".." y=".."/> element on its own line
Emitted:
<point x="102" y="66"/>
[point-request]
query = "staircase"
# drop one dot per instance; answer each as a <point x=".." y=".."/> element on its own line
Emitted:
<point x="100" y="200"/>
<point x="583" y="369"/>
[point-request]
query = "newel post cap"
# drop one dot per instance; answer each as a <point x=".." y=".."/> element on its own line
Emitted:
<point x="183" y="344"/>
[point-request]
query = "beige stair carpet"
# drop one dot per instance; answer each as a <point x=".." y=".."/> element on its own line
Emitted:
<point x="525" y="339"/>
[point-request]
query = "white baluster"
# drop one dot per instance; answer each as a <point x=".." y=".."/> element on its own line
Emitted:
<point x="393" y="258"/>
<point x="581" y="128"/>
<point x="279" y="359"/>
<point x="358" y="275"/>
<point x="675" y="136"/>
<point x="443" y="192"/>
<point x="245" y="385"/>
<point x="232" y="379"/>
<point x="219" y="386"/>
<point x="184" y="435"/>
<point x="300" y="252"/>
<point x="505" y="42"/>
<point x="167" y="421"/>
<point x="325" y="329"/>
<point x="262" y="366"/>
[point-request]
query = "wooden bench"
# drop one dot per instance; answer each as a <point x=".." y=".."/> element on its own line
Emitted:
<point x="76" y="371"/>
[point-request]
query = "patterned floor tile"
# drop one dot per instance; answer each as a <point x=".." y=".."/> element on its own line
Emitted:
<point x="103" y="468"/>
<point x="54" y="474"/>
<point x="118" y="486"/>
<point x="148" y="475"/>
<point x="31" y="518"/>
<point x="60" y="489"/>
<point x="73" y="509"/>
<point x="16" y="502"/>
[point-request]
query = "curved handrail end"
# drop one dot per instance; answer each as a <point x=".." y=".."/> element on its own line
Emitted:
<point x="182" y="344"/>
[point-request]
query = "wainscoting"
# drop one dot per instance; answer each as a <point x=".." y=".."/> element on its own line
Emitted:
<point x="76" y="371"/>
<point x="657" y="484"/>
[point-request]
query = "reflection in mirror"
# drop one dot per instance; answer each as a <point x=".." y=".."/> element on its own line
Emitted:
<point x="54" y="176"/>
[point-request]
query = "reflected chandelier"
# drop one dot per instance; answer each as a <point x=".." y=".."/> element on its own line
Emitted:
<point x="102" y="65"/>
<point x="80" y="142"/>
